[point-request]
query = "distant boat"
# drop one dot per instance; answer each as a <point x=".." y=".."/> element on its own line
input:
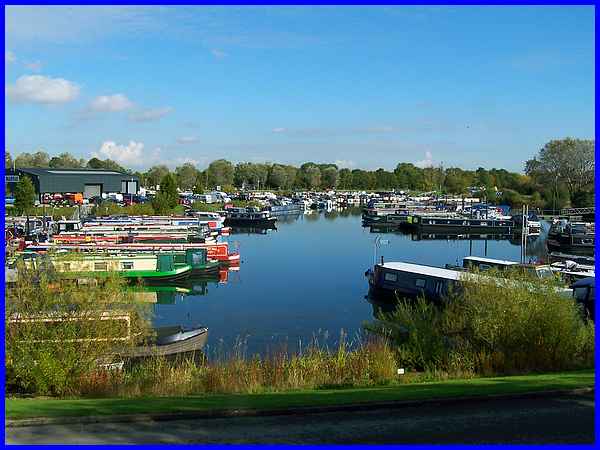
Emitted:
<point x="432" y="223"/>
<point x="250" y="216"/>
<point x="574" y="237"/>
<point x="569" y="271"/>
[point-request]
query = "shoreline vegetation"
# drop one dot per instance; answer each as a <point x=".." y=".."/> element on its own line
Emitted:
<point x="487" y="329"/>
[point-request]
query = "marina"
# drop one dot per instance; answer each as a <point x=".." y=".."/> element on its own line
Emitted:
<point x="245" y="269"/>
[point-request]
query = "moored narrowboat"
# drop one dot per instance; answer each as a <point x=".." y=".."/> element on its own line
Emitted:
<point x="250" y="216"/>
<point x="430" y="223"/>
<point x="406" y="280"/>
<point x="150" y="268"/>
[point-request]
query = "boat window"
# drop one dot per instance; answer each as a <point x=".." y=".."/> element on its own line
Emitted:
<point x="100" y="266"/>
<point x="484" y="267"/>
<point x="127" y="265"/>
<point x="420" y="282"/>
<point x="390" y="276"/>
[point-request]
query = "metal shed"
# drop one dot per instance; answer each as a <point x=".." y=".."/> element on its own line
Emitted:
<point x="89" y="182"/>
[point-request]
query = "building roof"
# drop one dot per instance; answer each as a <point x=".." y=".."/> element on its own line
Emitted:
<point x="52" y="171"/>
<point x="50" y="180"/>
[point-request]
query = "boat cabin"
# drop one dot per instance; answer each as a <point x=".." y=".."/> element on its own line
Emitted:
<point x="413" y="280"/>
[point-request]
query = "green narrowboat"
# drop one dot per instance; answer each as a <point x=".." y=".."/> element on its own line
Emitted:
<point x="148" y="267"/>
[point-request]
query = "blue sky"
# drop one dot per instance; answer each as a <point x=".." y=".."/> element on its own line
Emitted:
<point x="365" y="87"/>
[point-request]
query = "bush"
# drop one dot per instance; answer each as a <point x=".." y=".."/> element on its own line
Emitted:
<point x="52" y="329"/>
<point x="514" y="325"/>
<point x="161" y="204"/>
<point x="207" y="207"/>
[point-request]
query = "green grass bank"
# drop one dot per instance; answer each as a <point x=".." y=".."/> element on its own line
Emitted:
<point x="25" y="408"/>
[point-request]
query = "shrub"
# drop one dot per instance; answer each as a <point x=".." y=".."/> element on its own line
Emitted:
<point x="515" y="324"/>
<point x="56" y="332"/>
<point x="161" y="203"/>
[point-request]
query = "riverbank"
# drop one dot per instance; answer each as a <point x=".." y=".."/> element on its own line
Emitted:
<point x="20" y="409"/>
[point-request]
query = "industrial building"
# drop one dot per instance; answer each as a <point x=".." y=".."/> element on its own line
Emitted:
<point x="89" y="182"/>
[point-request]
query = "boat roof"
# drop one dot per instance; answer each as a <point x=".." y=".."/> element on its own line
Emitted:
<point x="420" y="269"/>
<point x="490" y="260"/>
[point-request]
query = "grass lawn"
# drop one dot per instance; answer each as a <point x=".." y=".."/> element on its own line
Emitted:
<point x="21" y="408"/>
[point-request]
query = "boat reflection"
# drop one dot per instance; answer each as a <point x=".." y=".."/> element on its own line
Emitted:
<point x="380" y="307"/>
<point x="252" y="230"/>
<point x="167" y="293"/>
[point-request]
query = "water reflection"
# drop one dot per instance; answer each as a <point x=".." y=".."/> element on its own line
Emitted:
<point x="253" y="230"/>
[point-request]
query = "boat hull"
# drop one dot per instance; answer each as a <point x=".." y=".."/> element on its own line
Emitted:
<point x="253" y="223"/>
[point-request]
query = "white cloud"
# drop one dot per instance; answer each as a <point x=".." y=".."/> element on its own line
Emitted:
<point x="427" y="162"/>
<point x="41" y="89"/>
<point x="9" y="57"/>
<point x="279" y="130"/>
<point x="110" y="103"/>
<point x="34" y="66"/>
<point x="149" y="115"/>
<point x="187" y="140"/>
<point x="344" y="164"/>
<point x="128" y="155"/>
<point x="219" y="54"/>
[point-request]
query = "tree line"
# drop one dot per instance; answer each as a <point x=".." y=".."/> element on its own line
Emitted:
<point x="560" y="174"/>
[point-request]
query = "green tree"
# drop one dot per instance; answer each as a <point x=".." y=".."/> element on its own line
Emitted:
<point x="108" y="164"/>
<point x="292" y="174"/>
<point x="385" y="179"/>
<point x="345" y="178"/>
<point x="168" y="192"/>
<point x="66" y="161"/>
<point x="329" y="177"/>
<point x="456" y="181"/>
<point x="155" y="174"/>
<point x="312" y="177"/>
<point x="8" y="161"/>
<point x="582" y="199"/>
<point x="186" y="176"/>
<point x="200" y="183"/>
<point x="95" y="163"/>
<point x="483" y="178"/>
<point x="220" y="173"/>
<point x="161" y="204"/>
<point x="24" y="195"/>
<point x="251" y="174"/>
<point x="408" y="176"/>
<point x="569" y="161"/>
<point x="37" y="159"/>
<point x="278" y="177"/>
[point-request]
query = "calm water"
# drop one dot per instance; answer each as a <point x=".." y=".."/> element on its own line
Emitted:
<point x="307" y="278"/>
